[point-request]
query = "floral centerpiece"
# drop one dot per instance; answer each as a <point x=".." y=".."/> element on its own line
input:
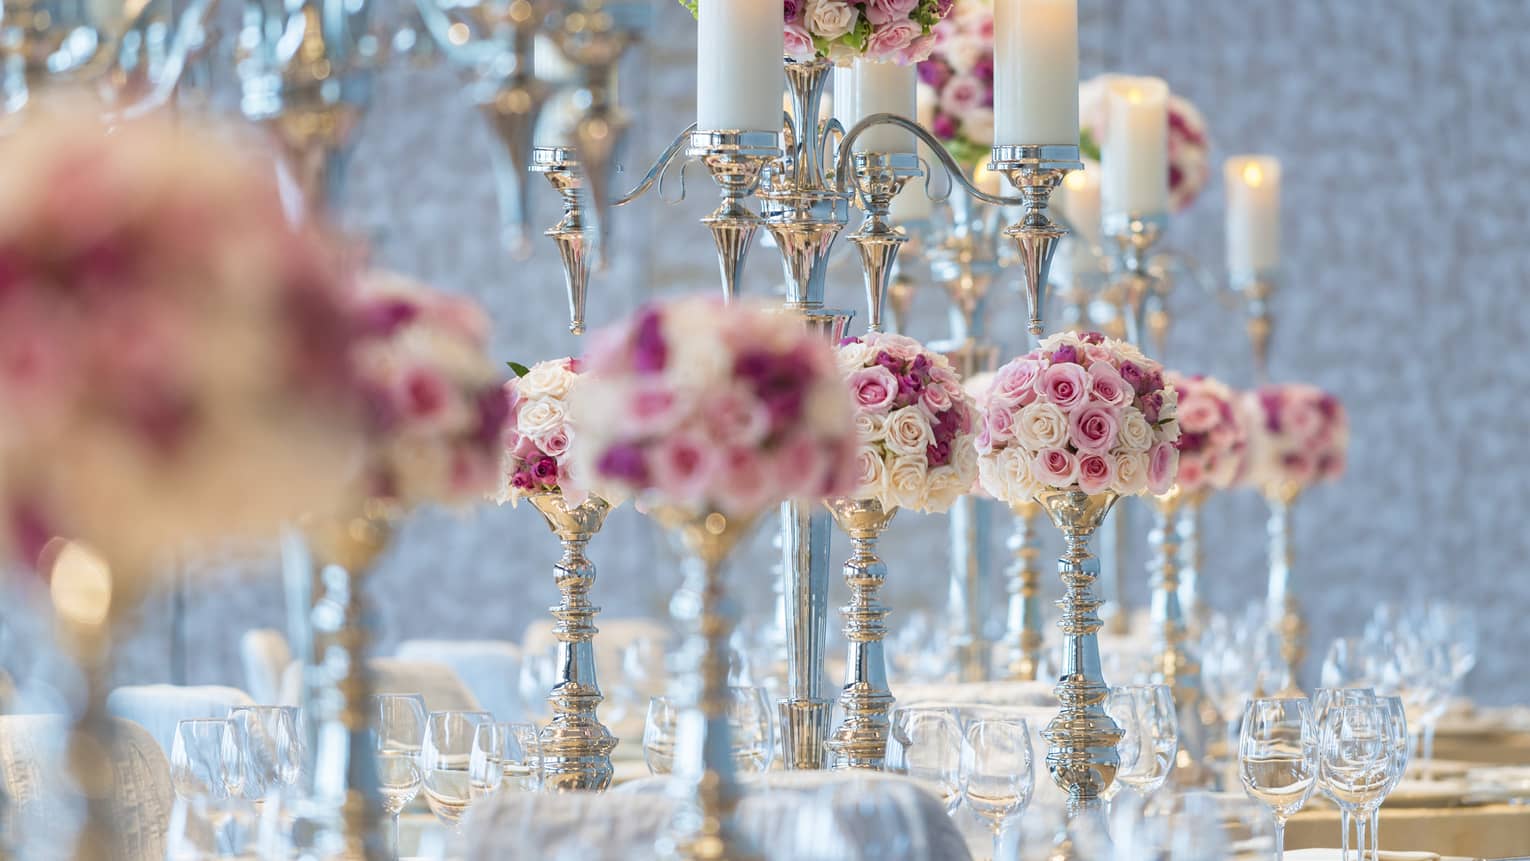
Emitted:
<point x="1298" y="436"/>
<point x="884" y="31"/>
<point x="177" y="361"/>
<point x="1189" y="145"/>
<point x="956" y="82"/>
<point x="916" y="423"/>
<point x="710" y="407"/>
<point x="537" y="443"/>
<point x="438" y="398"/>
<point x="1081" y="412"/>
<point x="1213" y="442"/>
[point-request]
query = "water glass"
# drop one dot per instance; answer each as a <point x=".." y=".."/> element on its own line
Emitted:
<point x="400" y="734"/>
<point x="751" y="730"/>
<point x="260" y="749"/>
<point x="925" y="743"/>
<point x="660" y="729"/>
<point x="197" y="766"/>
<point x="1150" y="738"/>
<point x="997" y="773"/>
<point x="486" y="762"/>
<point x="522" y="758"/>
<point x="1354" y="759"/>
<point x="1278" y="759"/>
<point x="445" y="761"/>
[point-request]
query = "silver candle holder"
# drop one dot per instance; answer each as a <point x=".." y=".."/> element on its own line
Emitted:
<point x="879" y="177"/>
<point x="860" y="741"/>
<point x="735" y="159"/>
<point x="1257" y="289"/>
<point x="1023" y="633"/>
<point x="1036" y="171"/>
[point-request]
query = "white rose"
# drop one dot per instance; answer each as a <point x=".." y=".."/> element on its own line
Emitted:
<point x="1135" y="434"/>
<point x="1019" y="479"/>
<point x="1167" y="431"/>
<point x="906" y="481"/>
<point x="830" y="19"/>
<point x="871" y="472"/>
<point x="1041" y="425"/>
<point x="546" y="380"/>
<point x="945" y="486"/>
<point x="1131" y="473"/>
<point x="540" y="418"/>
<point x="870" y="427"/>
<point x="908" y="432"/>
<point x="852" y="356"/>
<point x="964" y="456"/>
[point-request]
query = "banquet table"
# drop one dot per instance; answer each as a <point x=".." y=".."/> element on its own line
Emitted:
<point x="1486" y="831"/>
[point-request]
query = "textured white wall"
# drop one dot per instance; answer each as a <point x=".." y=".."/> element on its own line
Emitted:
<point x="1402" y="125"/>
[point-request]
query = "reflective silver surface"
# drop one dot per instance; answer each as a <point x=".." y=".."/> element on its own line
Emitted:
<point x="1024" y="635"/>
<point x="860" y="740"/>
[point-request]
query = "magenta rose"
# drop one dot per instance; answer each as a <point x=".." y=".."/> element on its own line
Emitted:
<point x="1096" y="473"/>
<point x="1055" y="467"/>
<point x="1107" y="385"/>
<point x="1163" y="466"/>
<point x="1066" y="386"/>
<point x="875" y="388"/>
<point x="1093" y="428"/>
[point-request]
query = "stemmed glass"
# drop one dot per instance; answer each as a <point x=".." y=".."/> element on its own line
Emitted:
<point x="486" y="763"/>
<point x="1146" y="714"/>
<point x="749" y="724"/>
<point x="1397" y="736"/>
<point x="997" y="773"/>
<point x="445" y="760"/>
<point x="1354" y="760"/>
<point x="925" y="743"/>
<point x="659" y="734"/>
<point x="260" y="748"/>
<point x="400" y="736"/>
<point x="202" y="782"/>
<point x="522" y="758"/>
<point x="1277" y="758"/>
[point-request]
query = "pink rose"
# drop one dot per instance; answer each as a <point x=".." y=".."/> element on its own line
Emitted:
<point x="1191" y="474"/>
<point x="1107" y="385"/>
<point x="653" y="406"/>
<point x="918" y="50"/>
<point x="799" y="42"/>
<point x="1096" y="473"/>
<point x="875" y="388"/>
<point x="683" y="468"/>
<point x="962" y="94"/>
<point x="1198" y="413"/>
<point x="555" y="443"/>
<point x="1099" y="354"/>
<point x="1163" y="465"/>
<point x="746" y="486"/>
<point x="936" y="399"/>
<point x="1302" y="418"/>
<point x="1015" y="383"/>
<point x="1055" y="467"/>
<point x="1066" y="386"/>
<point x="799" y="466"/>
<point x="734" y="418"/>
<point x="1093" y="428"/>
<point x="1000" y="425"/>
<point x="888" y="42"/>
<point x="880" y="12"/>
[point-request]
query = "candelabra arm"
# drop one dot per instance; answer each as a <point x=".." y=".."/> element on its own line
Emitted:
<point x="830" y="128"/>
<point x="845" y="166"/>
<point x="659" y="169"/>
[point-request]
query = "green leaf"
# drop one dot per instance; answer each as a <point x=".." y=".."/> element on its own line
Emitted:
<point x="1088" y="145"/>
<point x="519" y="369"/>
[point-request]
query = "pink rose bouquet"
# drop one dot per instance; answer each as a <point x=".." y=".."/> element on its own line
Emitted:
<point x="1080" y="412"/>
<point x="956" y="82"/>
<point x="1298" y="436"/>
<point x="1189" y="145"/>
<point x="1212" y="440"/>
<point x="439" y="399"/>
<point x="916" y="423"/>
<point x="706" y="406"/>
<point x="884" y="31"/>
<point x="538" y="444"/>
<point x="177" y="361"/>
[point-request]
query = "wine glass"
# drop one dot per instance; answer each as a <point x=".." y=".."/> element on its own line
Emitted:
<point x="1355" y="757"/>
<point x="400" y="735"/>
<point x="749" y="724"/>
<point x="486" y="762"/>
<point x="522" y="758"/>
<point x="925" y="743"/>
<point x="1146" y="715"/>
<point x="445" y="759"/>
<point x="1397" y="767"/>
<point x="197" y="766"/>
<point x="260" y="746"/>
<point x="1277" y="758"/>
<point x="997" y="772"/>
<point x="659" y="732"/>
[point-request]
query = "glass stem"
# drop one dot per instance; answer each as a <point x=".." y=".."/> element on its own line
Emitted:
<point x="1360" y="835"/>
<point x="1344" y="826"/>
<point x="1376" y="831"/>
<point x="1280" y="838"/>
<point x="397" y="847"/>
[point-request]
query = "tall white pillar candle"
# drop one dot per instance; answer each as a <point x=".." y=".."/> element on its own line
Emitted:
<point x="885" y="88"/>
<point x="1135" y="153"/>
<point x="556" y="125"/>
<point x="739" y="73"/>
<point x="1253" y="213"/>
<point x="1078" y="198"/>
<point x="1035" y="78"/>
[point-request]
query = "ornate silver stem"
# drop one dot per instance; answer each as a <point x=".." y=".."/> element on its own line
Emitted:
<point x="735" y="159"/>
<point x="562" y="172"/>
<point x="860" y="741"/>
<point x="1174" y="661"/>
<point x="879" y="177"/>
<point x="1024" y="633"/>
<point x="968" y="525"/>
<point x="1188" y="528"/>
<point x="1036" y="171"/>
<point x="1284" y="609"/>
<point x="1082" y="756"/>
<point x="705" y="831"/>
<point x="1135" y="238"/>
<point x="1258" y="291"/>
<point x="576" y="746"/>
<point x="806" y="714"/>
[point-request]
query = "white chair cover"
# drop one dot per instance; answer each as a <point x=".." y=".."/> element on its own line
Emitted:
<point x="437" y="683"/>
<point x="265" y="654"/>
<point x="625" y="824"/>
<point x="490" y="668"/>
<point x="158" y="708"/>
<point x="43" y="816"/>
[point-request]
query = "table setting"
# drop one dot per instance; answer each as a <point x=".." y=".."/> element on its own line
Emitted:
<point x="241" y="414"/>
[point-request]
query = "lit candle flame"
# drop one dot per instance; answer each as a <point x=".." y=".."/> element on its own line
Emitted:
<point x="1134" y="96"/>
<point x="1253" y="175"/>
<point x="1076" y="179"/>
